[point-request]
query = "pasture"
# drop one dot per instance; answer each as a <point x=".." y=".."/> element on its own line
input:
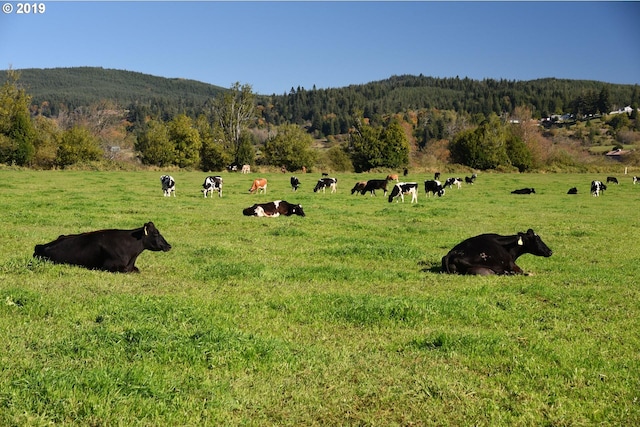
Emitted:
<point x="337" y="318"/>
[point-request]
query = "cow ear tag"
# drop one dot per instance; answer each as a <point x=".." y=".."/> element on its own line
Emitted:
<point x="520" y="242"/>
<point x="146" y="233"/>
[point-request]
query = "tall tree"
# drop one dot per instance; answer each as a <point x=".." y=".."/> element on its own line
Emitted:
<point x="235" y="111"/>
<point x="212" y="155"/>
<point x="186" y="140"/>
<point x="154" y="146"/>
<point x="395" y="146"/>
<point x="17" y="132"/>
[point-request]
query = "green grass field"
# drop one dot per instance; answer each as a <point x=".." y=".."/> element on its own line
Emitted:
<point x="337" y="318"/>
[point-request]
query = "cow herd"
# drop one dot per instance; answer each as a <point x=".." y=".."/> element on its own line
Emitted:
<point x="116" y="250"/>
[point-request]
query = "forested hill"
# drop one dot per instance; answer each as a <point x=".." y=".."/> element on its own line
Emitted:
<point x="82" y="86"/>
<point x="402" y="93"/>
<point x="325" y="111"/>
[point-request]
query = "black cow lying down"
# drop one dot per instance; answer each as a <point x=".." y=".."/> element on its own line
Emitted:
<point x="524" y="191"/>
<point x="109" y="250"/>
<point x="493" y="254"/>
<point x="275" y="208"/>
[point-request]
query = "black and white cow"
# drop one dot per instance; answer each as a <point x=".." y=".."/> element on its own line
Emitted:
<point x="168" y="185"/>
<point x="450" y="182"/>
<point x="373" y="185"/>
<point x="636" y="179"/>
<point x="273" y="209"/>
<point x="597" y="187"/>
<point x="434" y="187"/>
<point x="109" y="250"/>
<point x="493" y="254"/>
<point x="402" y="188"/>
<point x="524" y="191"/>
<point x="323" y="183"/>
<point x="469" y="180"/>
<point x="572" y="190"/>
<point x="612" y="179"/>
<point x="295" y="183"/>
<point x="211" y="184"/>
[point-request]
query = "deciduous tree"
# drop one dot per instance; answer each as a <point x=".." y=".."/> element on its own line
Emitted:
<point x="290" y="147"/>
<point x="77" y="145"/>
<point x="185" y="140"/>
<point x="16" y="129"/>
<point x="234" y="111"/>
<point x="153" y="144"/>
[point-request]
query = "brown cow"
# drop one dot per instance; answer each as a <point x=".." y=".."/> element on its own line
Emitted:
<point x="358" y="187"/>
<point x="259" y="184"/>
<point x="392" y="177"/>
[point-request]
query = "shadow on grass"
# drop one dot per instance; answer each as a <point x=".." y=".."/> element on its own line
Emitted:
<point x="430" y="267"/>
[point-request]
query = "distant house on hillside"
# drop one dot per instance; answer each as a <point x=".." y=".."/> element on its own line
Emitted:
<point x="617" y="154"/>
<point x="626" y="109"/>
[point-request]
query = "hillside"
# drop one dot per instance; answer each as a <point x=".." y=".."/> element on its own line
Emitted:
<point x="323" y="112"/>
<point x="82" y="86"/>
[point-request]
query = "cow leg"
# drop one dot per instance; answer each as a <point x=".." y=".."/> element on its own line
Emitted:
<point x="481" y="271"/>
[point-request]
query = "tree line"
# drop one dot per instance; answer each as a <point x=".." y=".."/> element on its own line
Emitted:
<point x="376" y="125"/>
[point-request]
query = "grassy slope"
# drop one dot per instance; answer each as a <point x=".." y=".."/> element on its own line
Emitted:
<point x="336" y="318"/>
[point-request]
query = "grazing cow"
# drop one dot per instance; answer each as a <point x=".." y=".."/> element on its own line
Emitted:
<point x="493" y="254"/>
<point x="469" y="180"/>
<point x="323" y="183"/>
<point x="434" y="187"/>
<point x="272" y="209"/>
<point x="211" y="184"/>
<point x="392" y="177"/>
<point x="246" y="169"/>
<point x="450" y="182"/>
<point x="108" y="250"/>
<point x="612" y="179"/>
<point x="572" y="190"/>
<point x="636" y="179"/>
<point x="597" y="187"/>
<point x="259" y="184"/>
<point x="524" y="191"/>
<point x="436" y="176"/>
<point x="402" y="188"/>
<point x="359" y="187"/>
<point x="295" y="183"/>
<point x="375" y="184"/>
<point x="168" y="185"/>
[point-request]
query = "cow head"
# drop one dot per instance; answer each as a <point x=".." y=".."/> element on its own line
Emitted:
<point x="297" y="210"/>
<point x="533" y="244"/>
<point x="153" y="240"/>
<point x="250" y="211"/>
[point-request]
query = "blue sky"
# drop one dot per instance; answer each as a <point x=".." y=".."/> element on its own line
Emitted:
<point x="275" y="46"/>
